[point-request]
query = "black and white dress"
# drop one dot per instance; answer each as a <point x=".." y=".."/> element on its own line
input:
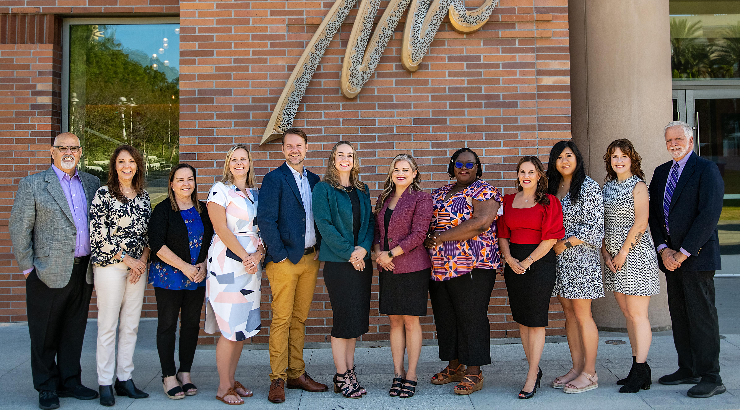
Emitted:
<point x="639" y="275"/>
<point x="579" y="268"/>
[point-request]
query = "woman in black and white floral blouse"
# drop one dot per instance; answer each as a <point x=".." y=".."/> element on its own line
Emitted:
<point x="119" y="217"/>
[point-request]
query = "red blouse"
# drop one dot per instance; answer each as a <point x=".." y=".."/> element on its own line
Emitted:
<point x="531" y="225"/>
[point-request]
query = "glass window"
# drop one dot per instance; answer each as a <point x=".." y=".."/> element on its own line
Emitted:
<point x="124" y="89"/>
<point x="705" y="39"/>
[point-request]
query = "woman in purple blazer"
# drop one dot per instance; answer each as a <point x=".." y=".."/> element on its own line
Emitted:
<point x="403" y="213"/>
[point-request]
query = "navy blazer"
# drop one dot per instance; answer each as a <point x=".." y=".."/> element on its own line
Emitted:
<point x="280" y="213"/>
<point x="693" y="214"/>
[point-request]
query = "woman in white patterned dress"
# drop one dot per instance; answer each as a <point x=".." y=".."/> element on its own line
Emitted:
<point x="629" y="254"/>
<point x="234" y="270"/>
<point x="578" y="268"/>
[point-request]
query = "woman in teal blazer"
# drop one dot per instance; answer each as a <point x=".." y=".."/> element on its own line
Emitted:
<point x="343" y="215"/>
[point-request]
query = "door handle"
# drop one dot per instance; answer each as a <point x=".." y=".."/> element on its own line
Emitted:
<point x="698" y="139"/>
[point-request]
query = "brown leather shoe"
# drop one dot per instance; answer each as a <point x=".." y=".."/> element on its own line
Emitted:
<point x="277" y="391"/>
<point x="306" y="383"/>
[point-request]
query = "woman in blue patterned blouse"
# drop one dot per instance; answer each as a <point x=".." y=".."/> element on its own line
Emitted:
<point x="180" y="232"/>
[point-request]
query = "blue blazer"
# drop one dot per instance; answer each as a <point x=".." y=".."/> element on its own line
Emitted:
<point x="280" y="213"/>
<point x="693" y="213"/>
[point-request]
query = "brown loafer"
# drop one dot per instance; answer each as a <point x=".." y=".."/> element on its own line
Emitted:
<point x="277" y="391"/>
<point x="306" y="383"/>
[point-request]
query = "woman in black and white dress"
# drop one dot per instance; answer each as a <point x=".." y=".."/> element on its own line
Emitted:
<point x="629" y="254"/>
<point x="578" y="279"/>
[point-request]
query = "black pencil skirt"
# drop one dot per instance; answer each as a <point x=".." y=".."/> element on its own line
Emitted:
<point x="404" y="293"/>
<point x="529" y="293"/>
<point x="349" y="294"/>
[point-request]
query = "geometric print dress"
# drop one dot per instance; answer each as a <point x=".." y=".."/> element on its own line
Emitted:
<point x="639" y="275"/>
<point x="232" y="295"/>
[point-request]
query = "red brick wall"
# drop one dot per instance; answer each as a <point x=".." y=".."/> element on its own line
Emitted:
<point x="503" y="91"/>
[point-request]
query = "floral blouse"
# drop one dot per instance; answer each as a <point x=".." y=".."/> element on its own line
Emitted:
<point x="116" y="226"/>
<point x="162" y="275"/>
<point x="455" y="258"/>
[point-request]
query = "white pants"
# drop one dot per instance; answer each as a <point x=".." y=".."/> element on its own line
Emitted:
<point x="119" y="303"/>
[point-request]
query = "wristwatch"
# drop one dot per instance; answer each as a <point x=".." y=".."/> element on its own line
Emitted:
<point x="123" y="254"/>
<point x="390" y="254"/>
<point x="568" y="245"/>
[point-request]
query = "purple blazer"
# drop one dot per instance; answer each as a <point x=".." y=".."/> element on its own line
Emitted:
<point x="408" y="228"/>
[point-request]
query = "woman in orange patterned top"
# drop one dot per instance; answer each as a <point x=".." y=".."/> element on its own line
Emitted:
<point x="465" y="256"/>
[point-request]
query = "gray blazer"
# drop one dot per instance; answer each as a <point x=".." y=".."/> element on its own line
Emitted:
<point x="42" y="228"/>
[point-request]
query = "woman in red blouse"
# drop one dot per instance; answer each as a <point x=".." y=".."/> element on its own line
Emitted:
<point x="532" y="223"/>
<point x="465" y="256"/>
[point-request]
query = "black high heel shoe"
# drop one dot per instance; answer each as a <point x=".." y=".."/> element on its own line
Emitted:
<point x="528" y="395"/>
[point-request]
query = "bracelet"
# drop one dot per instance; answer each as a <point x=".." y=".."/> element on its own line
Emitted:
<point x="123" y="254"/>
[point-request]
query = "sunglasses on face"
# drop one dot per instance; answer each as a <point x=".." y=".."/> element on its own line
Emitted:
<point x="467" y="165"/>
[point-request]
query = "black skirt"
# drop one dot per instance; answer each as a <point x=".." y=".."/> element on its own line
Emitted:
<point x="529" y="293"/>
<point x="404" y="293"/>
<point x="349" y="293"/>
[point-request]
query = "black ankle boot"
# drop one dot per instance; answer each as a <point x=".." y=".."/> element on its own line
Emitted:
<point x="622" y="382"/>
<point x="128" y="388"/>
<point x="641" y="379"/>
<point x="106" y="395"/>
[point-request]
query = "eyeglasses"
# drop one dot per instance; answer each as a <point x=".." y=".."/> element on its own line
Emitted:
<point x="467" y="165"/>
<point x="72" y="148"/>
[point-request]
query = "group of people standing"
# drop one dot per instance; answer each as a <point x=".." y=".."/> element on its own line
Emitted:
<point x="551" y="236"/>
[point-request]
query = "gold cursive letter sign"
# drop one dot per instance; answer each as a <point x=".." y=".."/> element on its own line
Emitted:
<point x="363" y="52"/>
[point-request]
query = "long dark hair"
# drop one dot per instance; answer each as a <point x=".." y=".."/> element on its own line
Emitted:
<point x="138" y="182"/>
<point x="193" y="195"/>
<point x="554" y="177"/>
<point x="628" y="149"/>
<point x="540" y="195"/>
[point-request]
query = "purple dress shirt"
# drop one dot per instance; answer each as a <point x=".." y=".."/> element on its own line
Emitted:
<point x="75" y="194"/>
<point x="681" y="165"/>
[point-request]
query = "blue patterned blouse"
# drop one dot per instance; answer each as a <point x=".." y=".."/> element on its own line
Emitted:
<point x="162" y="275"/>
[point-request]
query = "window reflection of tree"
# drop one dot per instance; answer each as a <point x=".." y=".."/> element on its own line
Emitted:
<point x="101" y="71"/>
<point x="694" y="56"/>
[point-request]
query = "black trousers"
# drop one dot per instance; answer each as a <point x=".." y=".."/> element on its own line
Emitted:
<point x="57" y="318"/>
<point x="695" y="324"/>
<point x="187" y="304"/>
<point x="460" y="308"/>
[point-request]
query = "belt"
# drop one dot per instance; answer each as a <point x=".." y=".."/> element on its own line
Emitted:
<point x="309" y="250"/>
<point x="82" y="259"/>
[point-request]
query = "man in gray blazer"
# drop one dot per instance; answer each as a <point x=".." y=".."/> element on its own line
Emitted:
<point x="51" y="241"/>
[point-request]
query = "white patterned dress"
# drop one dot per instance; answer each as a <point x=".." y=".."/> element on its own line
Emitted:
<point x="232" y="293"/>
<point x="639" y="275"/>
<point x="579" y="268"/>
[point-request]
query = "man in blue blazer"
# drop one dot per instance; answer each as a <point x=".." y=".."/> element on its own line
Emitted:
<point x="685" y="203"/>
<point x="286" y="223"/>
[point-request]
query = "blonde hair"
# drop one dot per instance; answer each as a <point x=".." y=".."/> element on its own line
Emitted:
<point x="228" y="177"/>
<point x="390" y="186"/>
<point x="332" y="175"/>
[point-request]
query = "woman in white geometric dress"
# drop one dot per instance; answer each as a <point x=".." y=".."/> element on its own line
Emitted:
<point x="234" y="271"/>
<point x="629" y="254"/>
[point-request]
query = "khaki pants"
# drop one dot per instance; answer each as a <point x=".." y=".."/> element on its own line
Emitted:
<point x="119" y="306"/>
<point x="292" y="287"/>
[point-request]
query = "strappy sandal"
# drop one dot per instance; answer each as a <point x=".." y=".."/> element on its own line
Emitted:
<point x="353" y="377"/>
<point x="469" y="385"/>
<point x="593" y="384"/>
<point x="448" y="375"/>
<point x="188" y="388"/>
<point x="560" y="382"/>
<point x="172" y="393"/>
<point x="396" y="386"/>
<point x="348" y="389"/>
<point x="230" y="392"/>
<point x="238" y="385"/>
<point x="408" y="389"/>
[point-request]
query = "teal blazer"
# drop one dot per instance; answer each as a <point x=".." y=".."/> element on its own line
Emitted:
<point x="332" y="212"/>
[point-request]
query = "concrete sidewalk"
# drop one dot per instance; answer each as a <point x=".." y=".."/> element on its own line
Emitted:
<point x="503" y="378"/>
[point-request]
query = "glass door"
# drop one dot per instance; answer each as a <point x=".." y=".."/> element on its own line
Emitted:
<point x="715" y="116"/>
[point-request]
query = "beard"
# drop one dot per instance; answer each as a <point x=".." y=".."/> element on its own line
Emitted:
<point x="681" y="153"/>
<point x="68" y="162"/>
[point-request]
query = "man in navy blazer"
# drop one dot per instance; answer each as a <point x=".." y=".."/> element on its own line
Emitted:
<point x="685" y="204"/>
<point x="287" y="227"/>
